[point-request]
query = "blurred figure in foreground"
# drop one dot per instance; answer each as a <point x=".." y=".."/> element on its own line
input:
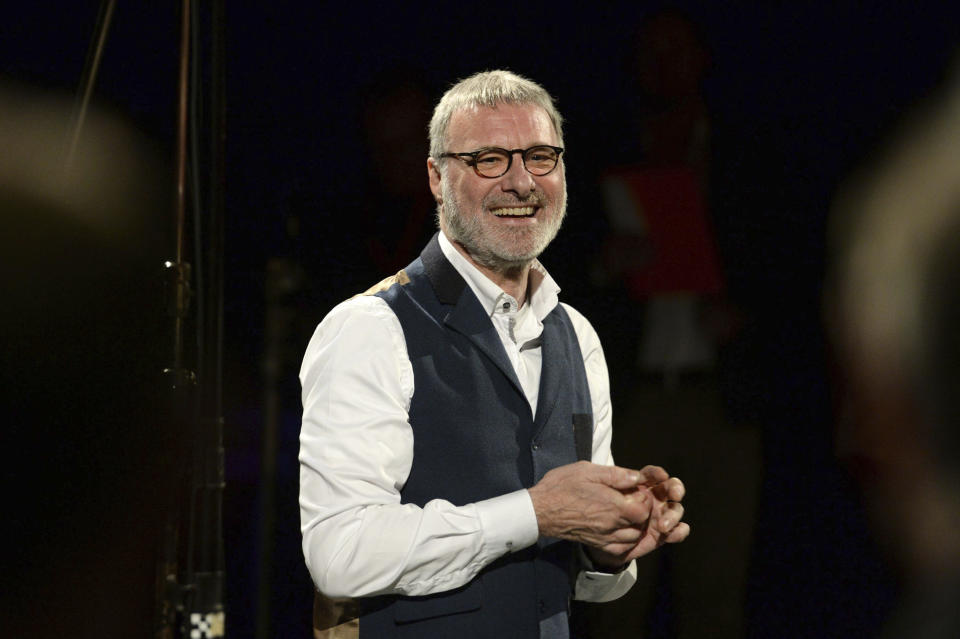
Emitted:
<point x="83" y="453"/>
<point x="895" y="303"/>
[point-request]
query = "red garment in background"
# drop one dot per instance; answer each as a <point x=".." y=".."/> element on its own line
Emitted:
<point x="684" y="255"/>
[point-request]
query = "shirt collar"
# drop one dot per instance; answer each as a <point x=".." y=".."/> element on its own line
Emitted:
<point x="542" y="292"/>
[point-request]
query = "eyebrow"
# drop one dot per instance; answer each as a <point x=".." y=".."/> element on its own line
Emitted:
<point x="503" y="148"/>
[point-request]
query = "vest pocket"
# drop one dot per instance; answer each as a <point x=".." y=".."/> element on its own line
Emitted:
<point x="583" y="435"/>
<point x="464" y="599"/>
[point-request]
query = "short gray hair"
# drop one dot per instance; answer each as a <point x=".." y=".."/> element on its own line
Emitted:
<point x="488" y="89"/>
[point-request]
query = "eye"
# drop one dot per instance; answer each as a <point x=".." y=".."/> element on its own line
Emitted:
<point x="541" y="154"/>
<point x="492" y="163"/>
<point x="491" y="158"/>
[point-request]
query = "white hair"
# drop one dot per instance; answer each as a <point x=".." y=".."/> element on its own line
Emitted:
<point x="488" y="89"/>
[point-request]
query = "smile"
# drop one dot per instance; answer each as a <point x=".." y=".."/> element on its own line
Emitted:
<point x="521" y="211"/>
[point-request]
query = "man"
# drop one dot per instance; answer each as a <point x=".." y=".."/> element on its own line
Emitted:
<point x="446" y="409"/>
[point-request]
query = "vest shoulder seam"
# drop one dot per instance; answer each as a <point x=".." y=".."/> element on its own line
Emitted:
<point x="400" y="278"/>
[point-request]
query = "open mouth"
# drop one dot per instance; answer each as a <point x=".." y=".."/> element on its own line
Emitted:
<point x="515" y="211"/>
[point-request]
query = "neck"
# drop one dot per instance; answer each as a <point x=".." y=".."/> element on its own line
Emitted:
<point x="512" y="279"/>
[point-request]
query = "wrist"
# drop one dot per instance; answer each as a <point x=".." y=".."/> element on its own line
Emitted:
<point x="600" y="561"/>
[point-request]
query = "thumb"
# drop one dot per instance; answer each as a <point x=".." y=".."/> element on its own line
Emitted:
<point x="620" y="478"/>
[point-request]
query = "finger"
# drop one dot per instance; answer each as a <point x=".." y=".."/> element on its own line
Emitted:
<point x="618" y="477"/>
<point x="652" y="475"/>
<point x="645" y="546"/>
<point x="670" y="517"/>
<point x="678" y="534"/>
<point x="629" y="535"/>
<point x="635" y="507"/>
<point x="670" y="490"/>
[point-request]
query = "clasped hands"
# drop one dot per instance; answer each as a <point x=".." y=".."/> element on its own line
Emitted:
<point x="617" y="513"/>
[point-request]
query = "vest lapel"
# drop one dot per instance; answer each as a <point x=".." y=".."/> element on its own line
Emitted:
<point x="469" y="319"/>
<point x="466" y="316"/>
<point x="554" y="367"/>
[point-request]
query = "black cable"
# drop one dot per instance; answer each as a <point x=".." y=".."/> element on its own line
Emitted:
<point x="88" y="78"/>
<point x="217" y="244"/>
<point x="216" y="191"/>
<point x="193" y="126"/>
<point x="195" y="122"/>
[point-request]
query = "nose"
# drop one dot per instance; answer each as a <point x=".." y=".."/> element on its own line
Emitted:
<point x="517" y="179"/>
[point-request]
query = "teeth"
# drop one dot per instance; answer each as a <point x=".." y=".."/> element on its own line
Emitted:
<point x="514" y="212"/>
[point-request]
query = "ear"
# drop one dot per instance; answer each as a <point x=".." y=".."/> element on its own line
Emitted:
<point x="433" y="174"/>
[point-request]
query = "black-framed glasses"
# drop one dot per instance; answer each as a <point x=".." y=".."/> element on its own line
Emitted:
<point x="492" y="162"/>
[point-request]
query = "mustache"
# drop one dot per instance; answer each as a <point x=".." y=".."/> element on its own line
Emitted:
<point x="534" y="198"/>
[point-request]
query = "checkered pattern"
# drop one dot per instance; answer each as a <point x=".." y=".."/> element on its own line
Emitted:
<point x="206" y="626"/>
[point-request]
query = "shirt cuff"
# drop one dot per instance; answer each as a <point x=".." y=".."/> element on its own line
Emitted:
<point x="509" y="522"/>
<point x="604" y="586"/>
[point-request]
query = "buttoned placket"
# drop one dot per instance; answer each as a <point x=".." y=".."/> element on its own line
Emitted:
<point x="520" y="333"/>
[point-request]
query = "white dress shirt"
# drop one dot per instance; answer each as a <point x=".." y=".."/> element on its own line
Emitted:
<point x="356" y="451"/>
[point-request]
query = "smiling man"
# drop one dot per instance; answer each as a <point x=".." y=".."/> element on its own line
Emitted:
<point x="456" y="476"/>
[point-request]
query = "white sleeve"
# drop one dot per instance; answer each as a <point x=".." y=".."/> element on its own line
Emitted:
<point x="595" y="585"/>
<point x="356" y="449"/>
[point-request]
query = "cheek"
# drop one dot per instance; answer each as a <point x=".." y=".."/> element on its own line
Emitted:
<point x="464" y="192"/>
<point x="554" y="190"/>
<point x="473" y="198"/>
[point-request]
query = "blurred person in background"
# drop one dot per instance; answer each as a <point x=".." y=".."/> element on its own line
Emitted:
<point x="675" y="347"/>
<point x="396" y="206"/>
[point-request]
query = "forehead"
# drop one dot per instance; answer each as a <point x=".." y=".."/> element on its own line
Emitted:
<point x="509" y="126"/>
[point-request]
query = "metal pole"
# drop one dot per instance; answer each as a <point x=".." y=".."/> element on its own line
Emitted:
<point x="173" y="586"/>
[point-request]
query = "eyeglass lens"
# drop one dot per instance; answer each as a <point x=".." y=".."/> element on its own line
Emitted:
<point x="539" y="160"/>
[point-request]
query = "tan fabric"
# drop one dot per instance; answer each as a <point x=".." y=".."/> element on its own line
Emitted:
<point x="400" y="278"/>
<point x="335" y="618"/>
<point x="339" y="618"/>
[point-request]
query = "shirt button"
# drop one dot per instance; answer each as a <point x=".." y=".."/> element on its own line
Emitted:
<point x="535" y="446"/>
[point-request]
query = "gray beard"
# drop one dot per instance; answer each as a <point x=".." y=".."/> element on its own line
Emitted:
<point x="469" y="232"/>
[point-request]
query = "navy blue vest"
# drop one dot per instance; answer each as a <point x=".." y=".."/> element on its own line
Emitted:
<point x="475" y="438"/>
